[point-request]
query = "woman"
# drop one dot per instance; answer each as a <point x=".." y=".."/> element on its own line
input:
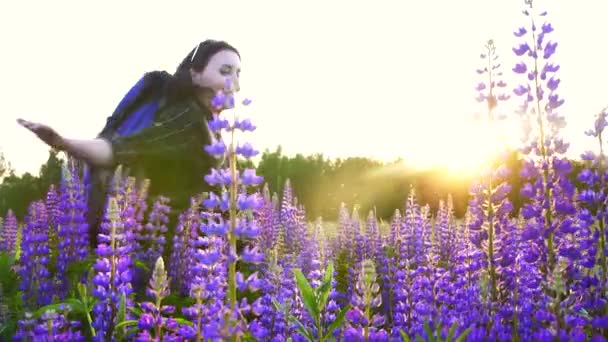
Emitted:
<point x="158" y="131"/>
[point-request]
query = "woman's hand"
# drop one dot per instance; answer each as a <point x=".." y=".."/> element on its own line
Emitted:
<point x="45" y="133"/>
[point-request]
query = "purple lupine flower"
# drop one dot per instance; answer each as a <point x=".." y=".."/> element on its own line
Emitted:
<point x="244" y="125"/>
<point x="52" y="209"/>
<point x="270" y="324"/>
<point x="153" y="318"/>
<point x="217" y="148"/>
<point x="246" y="150"/>
<point x="490" y="209"/>
<point x="114" y="271"/>
<point x="72" y="227"/>
<point x="363" y="317"/>
<point x="445" y="245"/>
<point x="588" y="247"/>
<point x="549" y="192"/>
<point x="268" y="220"/>
<point x="184" y="247"/>
<point x="152" y="239"/>
<point x="36" y="279"/>
<point x="491" y="91"/>
<point x="51" y="326"/>
<point x="229" y="231"/>
<point x="8" y="238"/>
<point x="208" y="288"/>
<point x="415" y="231"/>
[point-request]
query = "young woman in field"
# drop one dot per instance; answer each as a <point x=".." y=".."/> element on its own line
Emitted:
<point x="158" y="131"/>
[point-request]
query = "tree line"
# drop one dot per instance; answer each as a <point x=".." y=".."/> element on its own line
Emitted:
<point x="320" y="184"/>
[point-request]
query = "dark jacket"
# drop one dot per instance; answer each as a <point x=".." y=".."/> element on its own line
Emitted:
<point x="170" y="153"/>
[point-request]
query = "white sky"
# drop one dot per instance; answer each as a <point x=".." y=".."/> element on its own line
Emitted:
<point x="383" y="79"/>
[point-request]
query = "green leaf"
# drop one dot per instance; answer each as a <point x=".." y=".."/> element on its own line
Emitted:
<point x="451" y="332"/>
<point x="135" y="310"/>
<point x="277" y="305"/>
<point x="337" y="323"/>
<point x="307" y="294"/>
<point x="77" y="305"/>
<point x="329" y="273"/>
<point x="125" y="323"/>
<point x="428" y="330"/>
<point x="50" y="307"/>
<point x="438" y="327"/>
<point x="183" y="321"/>
<point x="122" y="313"/>
<point x="248" y="337"/>
<point x="464" y="335"/>
<point x="419" y="339"/>
<point x="325" y="289"/>
<point x="404" y="336"/>
<point x="301" y="328"/>
<point x="132" y="331"/>
<point x="142" y="265"/>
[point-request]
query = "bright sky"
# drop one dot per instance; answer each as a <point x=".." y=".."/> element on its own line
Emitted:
<point x="382" y="79"/>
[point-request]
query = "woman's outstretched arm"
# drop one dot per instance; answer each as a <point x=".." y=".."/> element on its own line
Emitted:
<point x="96" y="152"/>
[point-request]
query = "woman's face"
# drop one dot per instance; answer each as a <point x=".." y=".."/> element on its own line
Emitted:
<point x="223" y="68"/>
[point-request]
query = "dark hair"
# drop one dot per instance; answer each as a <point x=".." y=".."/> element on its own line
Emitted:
<point x="180" y="85"/>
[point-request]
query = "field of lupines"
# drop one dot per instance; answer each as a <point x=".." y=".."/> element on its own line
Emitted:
<point x="243" y="264"/>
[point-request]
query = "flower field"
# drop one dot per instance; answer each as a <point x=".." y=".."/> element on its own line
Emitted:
<point x="242" y="264"/>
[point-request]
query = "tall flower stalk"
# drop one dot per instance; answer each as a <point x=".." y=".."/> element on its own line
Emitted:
<point x="542" y="108"/>
<point x="593" y="196"/>
<point x="112" y="282"/>
<point x="9" y="233"/>
<point x="241" y="224"/>
<point x="72" y="226"/>
<point x="549" y="190"/>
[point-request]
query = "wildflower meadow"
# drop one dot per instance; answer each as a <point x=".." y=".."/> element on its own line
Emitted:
<point x="244" y="264"/>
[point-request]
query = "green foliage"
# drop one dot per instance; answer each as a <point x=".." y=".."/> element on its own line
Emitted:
<point x="17" y="192"/>
<point x="315" y="301"/>
<point x="435" y="336"/>
<point x="10" y="297"/>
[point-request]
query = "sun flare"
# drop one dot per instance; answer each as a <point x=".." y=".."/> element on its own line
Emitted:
<point x="464" y="147"/>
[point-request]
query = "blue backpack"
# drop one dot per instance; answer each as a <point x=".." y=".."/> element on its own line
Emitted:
<point x="137" y="108"/>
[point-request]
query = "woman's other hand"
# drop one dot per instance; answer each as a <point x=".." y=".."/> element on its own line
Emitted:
<point x="45" y="133"/>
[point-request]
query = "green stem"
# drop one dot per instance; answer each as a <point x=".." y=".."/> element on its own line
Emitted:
<point x="543" y="150"/>
<point x="492" y="268"/>
<point x="368" y="300"/>
<point x="547" y="191"/>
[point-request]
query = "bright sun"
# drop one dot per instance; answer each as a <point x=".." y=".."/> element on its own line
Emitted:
<point x="463" y="147"/>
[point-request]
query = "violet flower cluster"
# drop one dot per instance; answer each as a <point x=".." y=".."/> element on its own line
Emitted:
<point x="112" y="282"/>
<point x="228" y="220"/>
<point x="152" y="323"/>
<point x="8" y="234"/>
<point x="72" y="231"/>
<point x="52" y="325"/>
<point x="36" y="278"/>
